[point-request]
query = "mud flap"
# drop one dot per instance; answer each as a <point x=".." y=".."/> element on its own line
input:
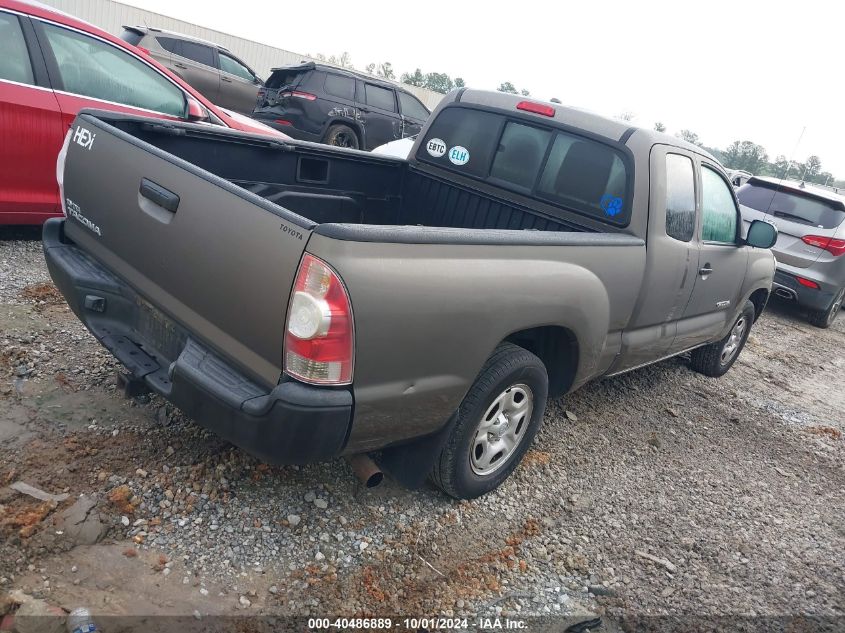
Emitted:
<point x="410" y="464"/>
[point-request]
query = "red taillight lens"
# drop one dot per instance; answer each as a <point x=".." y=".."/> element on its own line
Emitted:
<point x="834" y="246"/>
<point x="809" y="283"/>
<point x="282" y="122"/>
<point x="319" y="338"/>
<point x="536" y="108"/>
<point x="299" y="95"/>
<point x="146" y="51"/>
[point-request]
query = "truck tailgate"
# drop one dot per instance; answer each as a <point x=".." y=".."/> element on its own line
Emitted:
<point x="213" y="257"/>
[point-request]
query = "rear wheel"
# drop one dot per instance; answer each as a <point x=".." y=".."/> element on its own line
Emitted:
<point x="495" y="425"/>
<point x="825" y="318"/>
<point x="717" y="358"/>
<point x="341" y="136"/>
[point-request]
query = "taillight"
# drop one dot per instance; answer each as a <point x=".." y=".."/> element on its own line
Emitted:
<point x="60" y="170"/>
<point x="146" y="51"/>
<point x="319" y="339"/>
<point x="282" y="122"/>
<point x="834" y="246"/>
<point x="807" y="283"/>
<point x="536" y="108"/>
<point x="298" y="94"/>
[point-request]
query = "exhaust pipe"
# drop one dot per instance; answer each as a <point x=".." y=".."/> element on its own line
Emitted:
<point x="784" y="293"/>
<point x="366" y="470"/>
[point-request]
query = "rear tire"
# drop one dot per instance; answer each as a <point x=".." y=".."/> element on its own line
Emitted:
<point x="716" y="359"/>
<point x="495" y="424"/>
<point x="341" y="135"/>
<point x="825" y="318"/>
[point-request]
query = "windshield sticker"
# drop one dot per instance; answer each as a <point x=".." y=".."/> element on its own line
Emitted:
<point x="612" y="205"/>
<point x="459" y="155"/>
<point x="436" y="147"/>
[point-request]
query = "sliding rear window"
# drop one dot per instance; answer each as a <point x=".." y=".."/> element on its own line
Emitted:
<point x="564" y="169"/>
<point x="791" y="205"/>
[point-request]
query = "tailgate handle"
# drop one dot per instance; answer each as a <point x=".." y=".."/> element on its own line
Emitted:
<point x="164" y="198"/>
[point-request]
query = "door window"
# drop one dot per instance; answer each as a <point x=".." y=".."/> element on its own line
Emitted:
<point x="14" y="58"/>
<point x="718" y="210"/>
<point x="170" y="45"/>
<point x="411" y="106"/>
<point x="92" y="68"/>
<point x="680" y="197"/>
<point x="379" y="97"/>
<point x="232" y="66"/>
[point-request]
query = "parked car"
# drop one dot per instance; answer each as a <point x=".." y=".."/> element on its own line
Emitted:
<point x="811" y="242"/>
<point x="326" y="104"/>
<point x="211" y="69"/>
<point x="345" y="302"/>
<point x="51" y="65"/>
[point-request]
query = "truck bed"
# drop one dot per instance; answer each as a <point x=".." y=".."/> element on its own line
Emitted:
<point x="331" y="185"/>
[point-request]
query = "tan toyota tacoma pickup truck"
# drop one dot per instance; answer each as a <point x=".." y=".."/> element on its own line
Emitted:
<point x="307" y="302"/>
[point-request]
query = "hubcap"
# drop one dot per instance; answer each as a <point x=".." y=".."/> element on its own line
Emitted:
<point x="501" y="429"/>
<point x="732" y="344"/>
<point x="837" y="304"/>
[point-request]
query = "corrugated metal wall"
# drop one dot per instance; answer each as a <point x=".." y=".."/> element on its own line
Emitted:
<point x="111" y="16"/>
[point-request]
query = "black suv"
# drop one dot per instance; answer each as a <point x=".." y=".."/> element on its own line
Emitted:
<point x="326" y="104"/>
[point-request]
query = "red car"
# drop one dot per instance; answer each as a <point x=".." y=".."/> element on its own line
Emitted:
<point x="51" y="66"/>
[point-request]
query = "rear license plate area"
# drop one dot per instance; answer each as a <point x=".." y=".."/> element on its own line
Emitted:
<point x="161" y="334"/>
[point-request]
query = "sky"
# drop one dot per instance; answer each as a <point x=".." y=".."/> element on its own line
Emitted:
<point x="726" y="70"/>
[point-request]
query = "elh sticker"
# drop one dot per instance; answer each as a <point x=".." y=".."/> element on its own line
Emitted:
<point x="459" y="155"/>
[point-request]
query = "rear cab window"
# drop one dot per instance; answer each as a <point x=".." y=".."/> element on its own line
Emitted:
<point x="786" y="203"/>
<point x="564" y="169"/>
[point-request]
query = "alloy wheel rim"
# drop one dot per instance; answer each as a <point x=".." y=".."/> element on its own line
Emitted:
<point x="837" y="304"/>
<point x="501" y="430"/>
<point x="731" y="347"/>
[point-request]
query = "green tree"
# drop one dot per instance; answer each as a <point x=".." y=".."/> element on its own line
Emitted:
<point x="689" y="137"/>
<point x="747" y="156"/>
<point x="439" y="82"/>
<point x="413" y="79"/>
<point x="525" y="93"/>
<point x="507" y="87"/>
<point x="659" y="127"/>
<point x="370" y="68"/>
<point x="812" y="169"/>
<point x="459" y="82"/>
<point x="386" y="70"/>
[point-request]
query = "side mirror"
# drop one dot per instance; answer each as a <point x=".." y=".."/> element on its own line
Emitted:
<point x="761" y="234"/>
<point x="195" y="111"/>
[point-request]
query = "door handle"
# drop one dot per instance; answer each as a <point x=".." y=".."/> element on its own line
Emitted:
<point x="705" y="270"/>
<point x="364" y="109"/>
<point x="179" y="65"/>
<point x="226" y="79"/>
<point x="160" y="196"/>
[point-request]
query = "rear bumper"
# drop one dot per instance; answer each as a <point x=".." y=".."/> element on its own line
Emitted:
<point x="786" y="286"/>
<point x="290" y="423"/>
<point x="269" y="119"/>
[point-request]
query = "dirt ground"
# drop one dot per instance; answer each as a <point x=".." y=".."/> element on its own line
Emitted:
<point x="660" y="492"/>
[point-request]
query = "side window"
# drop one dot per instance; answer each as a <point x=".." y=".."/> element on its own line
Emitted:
<point x="379" y="97"/>
<point x="197" y="52"/>
<point x="92" y="68"/>
<point x="718" y="211"/>
<point x="520" y="152"/>
<point x="340" y="86"/>
<point x="411" y="106"/>
<point x="14" y="58"/>
<point x="170" y="45"/>
<point x="680" y="197"/>
<point x="229" y="64"/>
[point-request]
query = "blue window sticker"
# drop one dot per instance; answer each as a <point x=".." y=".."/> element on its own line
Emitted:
<point x="612" y="205"/>
<point x="459" y="155"/>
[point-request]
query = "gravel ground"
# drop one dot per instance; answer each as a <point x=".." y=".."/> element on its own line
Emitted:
<point x="657" y="492"/>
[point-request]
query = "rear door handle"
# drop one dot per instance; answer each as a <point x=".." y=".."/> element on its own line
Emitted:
<point x="226" y="79"/>
<point x="706" y="270"/>
<point x="160" y="196"/>
<point x="178" y="65"/>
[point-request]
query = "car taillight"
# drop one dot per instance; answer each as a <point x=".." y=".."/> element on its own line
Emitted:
<point x="834" y="246"/>
<point x="60" y="170"/>
<point x="536" y="108"/>
<point x="298" y="94"/>
<point x="146" y="51"/>
<point x="808" y="283"/>
<point x="319" y="338"/>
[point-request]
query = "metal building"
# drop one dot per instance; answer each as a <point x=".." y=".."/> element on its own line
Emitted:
<point x="111" y="16"/>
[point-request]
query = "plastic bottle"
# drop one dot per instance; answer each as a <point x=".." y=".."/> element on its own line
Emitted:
<point x="80" y="621"/>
